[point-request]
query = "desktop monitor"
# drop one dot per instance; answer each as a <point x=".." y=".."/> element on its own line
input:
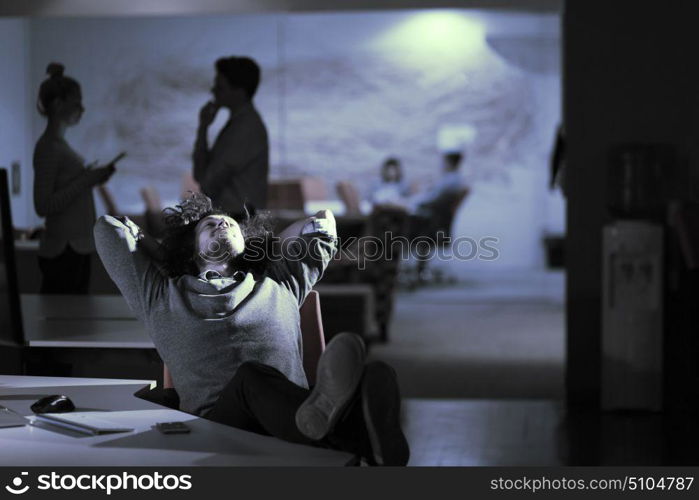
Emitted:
<point x="10" y="314"/>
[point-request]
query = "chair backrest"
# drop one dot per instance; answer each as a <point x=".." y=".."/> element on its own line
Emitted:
<point x="349" y="195"/>
<point x="11" y="332"/>
<point x="108" y="200"/>
<point x="313" y="339"/>
<point x="446" y="208"/>
<point x="155" y="225"/>
<point x="313" y="188"/>
<point x="458" y="200"/>
<point x="189" y="185"/>
<point x="152" y="199"/>
<point x="285" y="194"/>
<point x="312" y="333"/>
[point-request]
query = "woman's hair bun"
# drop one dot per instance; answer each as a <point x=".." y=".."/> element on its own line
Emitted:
<point x="55" y="69"/>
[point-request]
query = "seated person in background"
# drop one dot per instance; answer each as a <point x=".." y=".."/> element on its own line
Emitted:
<point x="432" y="210"/>
<point x="391" y="189"/>
<point x="223" y="313"/>
<point x="432" y="202"/>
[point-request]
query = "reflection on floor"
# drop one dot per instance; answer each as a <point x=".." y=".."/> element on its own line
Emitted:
<point x="490" y="336"/>
<point x="471" y="432"/>
<point x="481" y="432"/>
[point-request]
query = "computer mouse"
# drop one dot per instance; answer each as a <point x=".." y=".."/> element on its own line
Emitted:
<point x="56" y="403"/>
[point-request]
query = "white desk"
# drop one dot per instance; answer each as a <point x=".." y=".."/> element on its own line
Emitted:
<point x="209" y="443"/>
<point x="102" y="321"/>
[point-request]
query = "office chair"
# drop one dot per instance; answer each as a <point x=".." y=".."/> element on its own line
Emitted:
<point x="313" y="188"/>
<point x="107" y="200"/>
<point x="312" y="334"/>
<point x="313" y="346"/>
<point x="111" y="207"/>
<point x="444" y="211"/>
<point x="155" y="225"/>
<point x="189" y="186"/>
<point x="292" y="194"/>
<point x="349" y="195"/>
<point x="285" y="195"/>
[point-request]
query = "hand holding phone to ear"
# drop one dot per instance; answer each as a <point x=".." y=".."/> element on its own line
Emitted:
<point x="207" y="114"/>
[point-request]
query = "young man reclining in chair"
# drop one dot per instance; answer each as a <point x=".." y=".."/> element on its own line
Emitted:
<point x="223" y="313"/>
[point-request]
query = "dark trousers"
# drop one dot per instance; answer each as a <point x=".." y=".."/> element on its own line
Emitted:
<point x="261" y="399"/>
<point x="68" y="273"/>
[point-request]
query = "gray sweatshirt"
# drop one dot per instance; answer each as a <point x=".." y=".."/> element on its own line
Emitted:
<point x="205" y="329"/>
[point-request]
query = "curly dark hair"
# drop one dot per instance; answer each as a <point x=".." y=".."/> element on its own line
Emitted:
<point x="178" y="244"/>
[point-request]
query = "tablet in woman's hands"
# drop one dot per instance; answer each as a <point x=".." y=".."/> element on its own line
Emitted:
<point x="117" y="158"/>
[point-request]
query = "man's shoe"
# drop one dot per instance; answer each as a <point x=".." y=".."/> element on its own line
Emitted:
<point x="340" y="370"/>
<point x="381" y="412"/>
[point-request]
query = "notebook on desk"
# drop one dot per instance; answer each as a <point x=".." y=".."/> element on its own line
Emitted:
<point x="9" y="418"/>
<point x="92" y="423"/>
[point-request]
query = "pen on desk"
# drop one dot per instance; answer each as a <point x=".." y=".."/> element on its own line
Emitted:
<point x="9" y="410"/>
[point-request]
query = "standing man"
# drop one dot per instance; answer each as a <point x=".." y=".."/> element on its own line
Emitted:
<point x="233" y="173"/>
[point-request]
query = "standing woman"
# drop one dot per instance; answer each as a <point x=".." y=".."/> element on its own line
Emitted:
<point x="63" y="189"/>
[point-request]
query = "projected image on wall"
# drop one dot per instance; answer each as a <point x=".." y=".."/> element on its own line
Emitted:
<point x="340" y="93"/>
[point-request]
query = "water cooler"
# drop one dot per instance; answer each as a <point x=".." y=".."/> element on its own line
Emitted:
<point x="633" y="284"/>
<point x="632" y="316"/>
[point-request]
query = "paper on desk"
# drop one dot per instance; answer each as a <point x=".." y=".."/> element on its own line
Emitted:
<point x="85" y="422"/>
<point x="8" y="418"/>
